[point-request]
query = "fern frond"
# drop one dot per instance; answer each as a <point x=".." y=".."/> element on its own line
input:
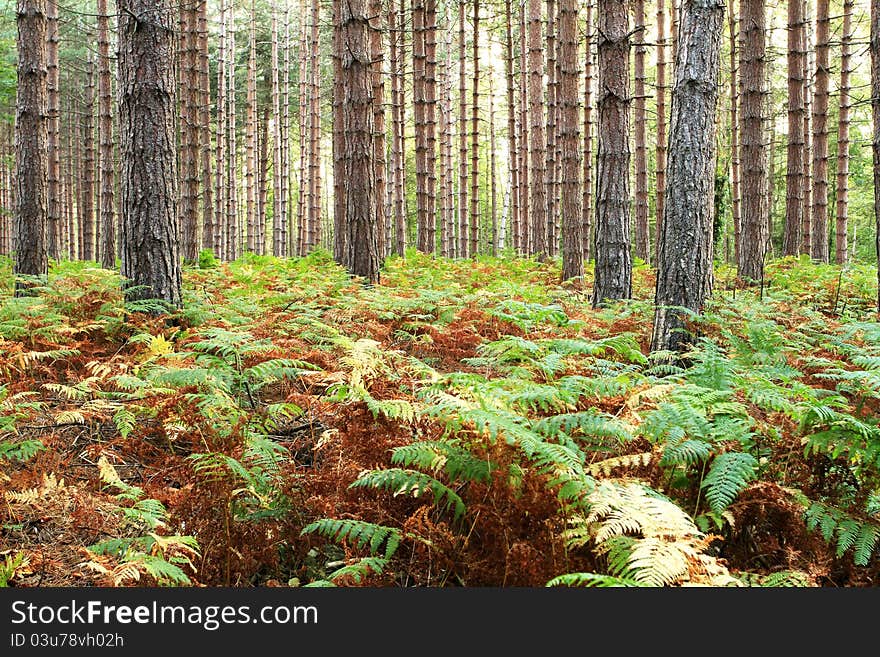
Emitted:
<point x="728" y="475"/>
<point x="360" y="533"/>
<point x="458" y="463"/>
<point x="606" y="466"/>
<point x="594" y="580"/>
<point x="411" y="482"/>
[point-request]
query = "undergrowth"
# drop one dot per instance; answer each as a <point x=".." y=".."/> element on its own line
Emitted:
<point x="463" y="424"/>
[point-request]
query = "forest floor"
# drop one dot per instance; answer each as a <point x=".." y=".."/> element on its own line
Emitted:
<point x="467" y="423"/>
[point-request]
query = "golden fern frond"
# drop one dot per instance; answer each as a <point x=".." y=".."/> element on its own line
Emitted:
<point x="70" y="417"/>
<point x="655" y="562"/>
<point x="626" y="461"/>
<point x="126" y="572"/>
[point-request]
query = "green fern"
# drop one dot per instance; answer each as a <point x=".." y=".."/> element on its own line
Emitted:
<point x="594" y="580"/>
<point x="21" y="451"/>
<point x="728" y="475"/>
<point x="458" y="463"/>
<point x="411" y="482"/>
<point x="849" y="532"/>
<point x="361" y="534"/>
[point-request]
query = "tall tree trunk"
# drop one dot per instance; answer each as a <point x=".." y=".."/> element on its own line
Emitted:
<point x="524" y="203"/>
<point x="572" y="219"/>
<point x="684" y="255"/>
<point x="314" y="123"/>
<point x="221" y="187"/>
<point x="819" y="250"/>
<point x="754" y="238"/>
<point x="513" y="160"/>
<point x="30" y="240"/>
<point x="735" y="146"/>
<point x="377" y="55"/>
<point x="339" y="203"/>
<point x="587" y="208"/>
<point x="105" y="139"/>
<point x="493" y="180"/>
<point x="205" y="126"/>
<point x="278" y="220"/>
<point x="53" y="124"/>
<point x="362" y="256"/>
<point x="807" y="226"/>
<point x="397" y="155"/>
<point x="431" y="117"/>
<point x="231" y="236"/>
<point x="420" y="57"/>
<point x="90" y="245"/>
<point x="150" y="242"/>
<point x="463" y="242"/>
<point x="475" y="138"/>
<point x="69" y="246"/>
<point x="613" y="278"/>
<point x="843" y="140"/>
<point x="643" y="239"/>
<point x="538" y="145"/>
<point x="794" y="179"/>
<point x="190" y="133"/>
<point x="251" y="144"/>
<point x="550" y="172"/>
<point x="662" y="145"/>
<point x="262" y="197"/>
<point x="875" y="137"/>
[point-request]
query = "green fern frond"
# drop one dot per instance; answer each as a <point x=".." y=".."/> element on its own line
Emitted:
<point x="458" y="463"/>
<point x="21" y="451"/>
<point x="594" y="580"/>
<point x="411" y="482"/>
<point x="360" y="569"/>
<point x="361" y="534"/>
<point x="686" y="452"/>
<point x="590" y="423"/>
<point x="728" y="475"/>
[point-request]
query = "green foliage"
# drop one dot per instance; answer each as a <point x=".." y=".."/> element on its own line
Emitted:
<point x="728" y="476"/>
<point x="207" y="259"/>
<point x="23" y="450"/>
<point x="358" y="533"/>
<point x="414" y="483"/>
<point x="848" y="532"/>
<point x="10" y="567"/>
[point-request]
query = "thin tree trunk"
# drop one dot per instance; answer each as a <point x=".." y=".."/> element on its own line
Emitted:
<point x="475" y="138"/>
<point x="493" y="180"/>
<point x="843" y="139"/>
<point x="513" y="160"/>
<point x="105" y="139"/>
<point x="643" y="239"/>
<point x="807" y="227"/>
<point x="30" y="240"/>
<point x="221" y="187"/>
<point x="875" y="136"/>
<point x="431" y="118"/>
<point x="397" y="155"/>
<point x="662" y="145"/>
<point x="53" y="124"/>
<point x="463" y="242"/>
<point x="189" y="161"/>
<point x="314" y="124"/>
<point x="524" y="204"/>
<point x="205" y="126"/>
<point x="754" y="237"/>
<point x="796" y="154"/>
<point x="420" y="57"/>
<point x="587" y="202"/>
<point x="231" y="236"/>
<point x="572" y="219"/>
<point x="735" y="151"/>
<point x="377" y="56"/>
<point x="538" y="141"/>
<point x="550" y="173"/>
<point x="262" y="198"/>
<point x="277" y="195"/>
<point x="819" y="250"/>
<point x="90" y="245"/>
<point x="150" y="241"/>
<point x="684" y="255"/>
<point x="613" y="277"/>
<point x="251" y="132"/>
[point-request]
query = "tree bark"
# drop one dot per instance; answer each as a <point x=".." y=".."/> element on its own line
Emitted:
<point x="362" y="255"/>
<point x="462" y="250"/>
<point x="643" y="240"/>
<point x="475" y="138"/>
<point x="572" y="220"/>
<point x="105" y="139"/>
<point x="30" y="239"/>
<point x="735" y="152"/>
<point x="754" y="237"/>
<point x="397" y="155"/>
<point x="819" y="243"/>
<point x="88" y="169"/>
<point x="513" y="161"/>
<point x="613" y="270"/>
<point x="662" y="145"/>
<point x="843" y="139"/>
<point x="53" y="124"/>
<point x="537" y="137"/>
<point x="684" y="258"/>
<point x="796" y="154"/>
<point x="150" y="242"/>
<point x="205" y="126"/>
<point x="251" y="133"/>
<point x="875" y="137"/>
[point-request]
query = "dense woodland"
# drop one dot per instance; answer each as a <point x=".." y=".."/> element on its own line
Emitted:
<point x="475" y="293"/>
